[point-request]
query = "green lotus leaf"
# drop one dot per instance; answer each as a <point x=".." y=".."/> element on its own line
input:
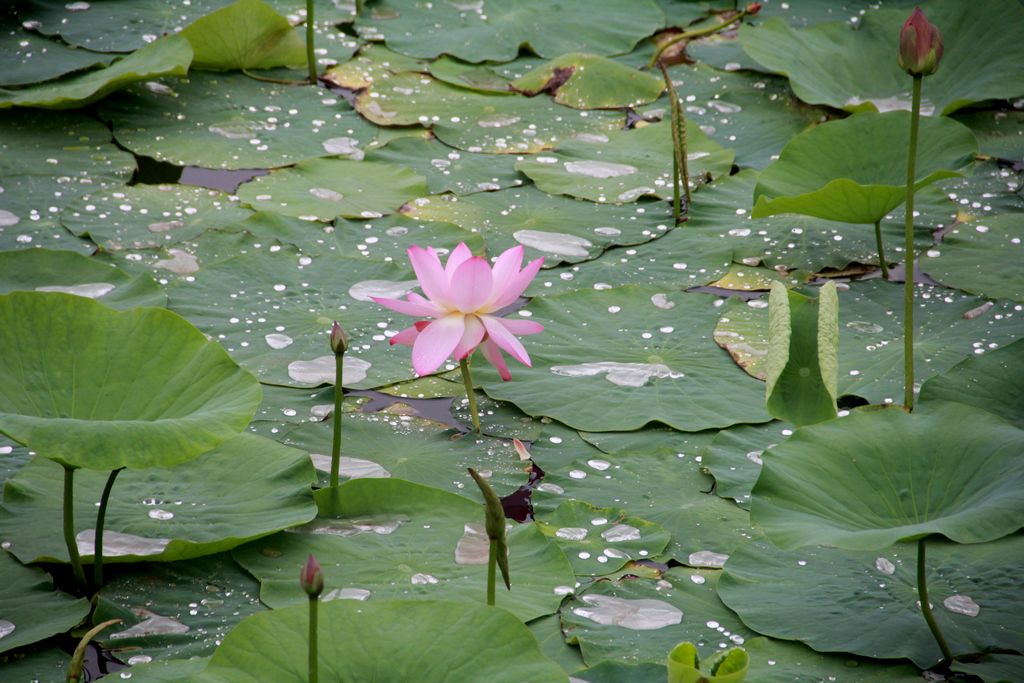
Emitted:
<point x="998" y="132"/>
<point x="994" y="668"/>
<point x="27" y="58"/>
<point x="624" y="166"/>
<point x="548" y="632"/>
<point x="684" y="666"/>
<point x="447" y="169"/>
<point x="169" y="56"/>
<point x="585" y="81"/>
<point x="231" y="121"/>
<point x="472" y="34"/>
<point x="359" y="642"/>
<point x="805" y="595"/>
<point x="953" y="471"/>
<point x="323" y="189"/>
<point x="63" y="271"/>
<point x="32" y="609"/>
<point x="853" y="66"/>
<point x="830" y="172"/>
<point x="734" y="457"/>
<point x="426" y="544"/>
<point x="161" y="395"/>
<point x="480" y="77"/>
<point x="247" y="34"/>
<point x="374" y="64"/>
<point x="981" y="258"/>
<point x="993" y="381"/>
<point x="246" y="488"/>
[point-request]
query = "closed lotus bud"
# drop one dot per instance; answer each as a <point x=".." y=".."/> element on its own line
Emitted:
<point x="753" y="8"/>
<point x="494" y="524"/>
<point x="339" y="340"/>
<point x="920" y="45"/>
<point x="312" y="578"/>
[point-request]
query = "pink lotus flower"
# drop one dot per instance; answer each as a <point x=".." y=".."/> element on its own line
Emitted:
<point x="461" y="297"/>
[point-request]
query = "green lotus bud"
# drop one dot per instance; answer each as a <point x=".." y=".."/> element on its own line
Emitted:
<point x="339" y="340"/>
<point x="312" y="578"/>
<point x="494" y="524"/>
<point x="920" y="45"/>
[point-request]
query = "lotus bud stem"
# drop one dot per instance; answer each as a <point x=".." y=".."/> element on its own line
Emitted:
<point x="494" y="525"/>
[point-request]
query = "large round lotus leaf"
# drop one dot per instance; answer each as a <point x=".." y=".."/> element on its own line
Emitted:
<point x="954" y="470"/>
<point x="247" y="34"/>
<point x="169" y="56"/>
<point x="585" y="81"/>
<point x="476" y="121"/>
<point x="374" y="64"/>
<point x="991" y="189"/>
<point x="32" y="610"/>
<point x="323" y="189"/>
<point x="948" y="327"/>
<point x="623" y="166"/>
<point x="609" y="535"/>
<point x="1000" y="133"/>
<point x="650" y="440"/>
<point x="482" y="77"/>
<point x="277" y="323"/>
<point x="413" y="449"/>
<point x="548" y="632"/>
<point x="475" y="34"/>
<point x="734" y="457"/>
<point x="855" y="67"/>
<point x="648" y="356"/>
<point x="447" y="169"/>
<point x="63" y="271"/>
<point x="27" y="58"/>
<point x="46" y="160"/>
<point x="659" y="487"/>
<point x="994" y="668"/>
<point x="425" y="544"/>
<point x="806" y="595"/>
<point x="993" y="381"/>
<point x="829" y="172"/>
<point x="141" y="216"/>
<point x="246" y="488"/>
<point x="386" y="239"/>
<point x="232" y="121"/>
<point x="981" y="258"/>
<point x="369" y="642"/>
<point x="196" y="604"/>
<point x="161" y="395"/>
<point x="557" y="228"/>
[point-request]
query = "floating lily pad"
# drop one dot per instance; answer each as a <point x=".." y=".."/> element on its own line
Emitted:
<point x="447" y="169"/>
<point x="247" y="34"/>
<point x="949" y="326"/>
<point x="981" y="258"/>
<point x="232" y="121"/>
<point x="246" y="488"/>
<point x="324" y="189"/>
<point x="63" y="271"/>
<point x="1000" y="133"/>
<point x="992" y="381"/>
<point x="610" y="535"/>
<point x="853" y="67"/>
<point x="647" y="357"/>
<point x="557" y="228"/>
<point x="141" y="216"/>
<point x="32" y="609"/>
<point x="548" y="632"/>
<point x="804" y="595"/>
<point x="994" y="668"/>
<point x="27" y="58"/>
<point x="167" y="57"/>
<point x="374" y="64"/>
<point x="467" y="31"/>
<point x="829" y="172"/>
<point x="476" y="121"/>
<point x="426" y="544"/>
<point x="734" y="457"/>
<point x="585" y="81"/>
<point x="624" y="166"/>
<point x="967" y="484"/>
<point x="650" y="440"/>
<point x="358" y="642"/>
<point x="480" y="77"/>
<point x="160" y="396"/>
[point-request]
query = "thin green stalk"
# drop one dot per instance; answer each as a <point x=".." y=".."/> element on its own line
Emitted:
<point x="908" y="247"/>
<point x="926" y="608"/>
<point x="698" y="33"/>
<point x="77" y="666"/>
<point x="310" y="35"/>
<point x="101" y="516"/>
<point x="314" y="602"/>
<point x="69" y="527"/>
<point x="339" y="364"/>
<point x="680" y="174"/>
<point x="492" y="565"/>
<point x="467" y="380"/>
<point x="881" y="251"/>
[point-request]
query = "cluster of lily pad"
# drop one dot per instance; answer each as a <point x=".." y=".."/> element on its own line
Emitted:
<point x="183" y="215"/>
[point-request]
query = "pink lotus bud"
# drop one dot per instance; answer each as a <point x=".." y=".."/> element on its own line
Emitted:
<point x="521" y="449"/>
<point x="312" y="578"/>
<point x="339" y="340"/>
<point x="920" y="45"/>
<point x="753" y="8"/>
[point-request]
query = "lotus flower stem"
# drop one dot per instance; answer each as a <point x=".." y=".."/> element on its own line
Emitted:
<point x="881" y="251"/>
<point x="69" y="527"/>
<point x="751" y="9"/>
<point x="339" y="363"/>
<point x="101" y="516"/>
<point x="680" y="170"/>
<point x="926" y="608"/>
<point x="314" y="604"/>
<point x="78" y="658"/>
<point x="310" y="36"/>
<point x="908" y="247"/>
<point x="311" y="580"/>
<point x="467" y="380"/>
